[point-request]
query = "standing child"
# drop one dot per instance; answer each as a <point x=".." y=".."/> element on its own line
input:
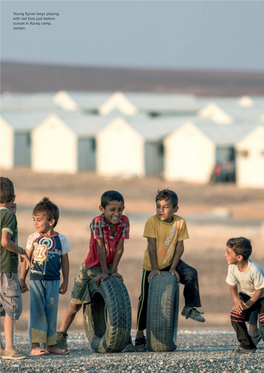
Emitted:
<point x="250" y="276"/>
<point x="49" y="252"/>
<point x="108" y="232"/>
<point x="165" y="233"/>
<point x="10" y="293"/>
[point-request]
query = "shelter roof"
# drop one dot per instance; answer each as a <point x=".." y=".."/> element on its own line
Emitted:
<point x="22" y="101"/>
<point x="24" y="121"/>
<point x="158" y="102"/>
<point x="227" y="135"/>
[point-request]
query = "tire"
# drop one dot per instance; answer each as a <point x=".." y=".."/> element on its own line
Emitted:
<point x="261" y="330"/>
<point x="162" y="313"/>
<point x="107" y="319"/>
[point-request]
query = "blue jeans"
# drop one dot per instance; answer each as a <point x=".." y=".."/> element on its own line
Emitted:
<point x="44" y="299"/>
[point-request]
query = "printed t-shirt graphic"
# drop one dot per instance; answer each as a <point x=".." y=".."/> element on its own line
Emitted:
<point x="46" y="256"/>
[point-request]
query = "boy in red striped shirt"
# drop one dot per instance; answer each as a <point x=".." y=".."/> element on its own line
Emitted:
<point x="108" y="232"/>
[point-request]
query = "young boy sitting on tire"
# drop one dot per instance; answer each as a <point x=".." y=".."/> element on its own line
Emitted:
<point x="108" y="232"/>
<point x="165" y="233"/>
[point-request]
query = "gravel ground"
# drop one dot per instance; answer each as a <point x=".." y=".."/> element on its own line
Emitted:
<point x="198" y="351"/>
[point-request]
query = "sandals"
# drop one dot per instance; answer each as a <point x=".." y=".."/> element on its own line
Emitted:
<point x="58" y="351"/>
<point x="6" y="355"/>
<point x="39" y="352"/>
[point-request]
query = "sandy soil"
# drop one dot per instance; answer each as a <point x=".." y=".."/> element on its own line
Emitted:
<point x="78" y="197"/>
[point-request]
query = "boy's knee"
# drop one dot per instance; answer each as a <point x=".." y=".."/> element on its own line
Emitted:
<point x="191" y="274"/>
<point x="74" y="308"/>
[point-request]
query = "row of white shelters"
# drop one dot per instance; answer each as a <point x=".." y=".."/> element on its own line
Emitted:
<point x="15" y="138"/>
<point x="193" y="149"/>
<point x="65" y="143"/>
<point x="153" y="104"/>
<point x="232" y="110"/>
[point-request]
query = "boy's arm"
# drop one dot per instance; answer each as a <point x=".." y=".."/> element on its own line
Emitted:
<point x="118" y="254"/>
<point x="179" y="249"/>
<point x="238" y="307"/>
<point x="9" y="245"/>
<point x="152" y="249"/>
<point x="253" y="299"/>
<point x="23" y="273"/>
<point x="102" y="259"/>
<point x="65" y="266"/>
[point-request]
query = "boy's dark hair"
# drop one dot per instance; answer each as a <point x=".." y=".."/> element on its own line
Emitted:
<point x="240" y="246"/>
<point x="168" y="195"/>
<point x="111" y="195"/>
<point x="7" y="190"/>
<point x="49" y="209"/>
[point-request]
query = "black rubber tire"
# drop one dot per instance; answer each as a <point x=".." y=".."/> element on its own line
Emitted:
<point x="107" y="319"/>
<point x="162" y="312"/>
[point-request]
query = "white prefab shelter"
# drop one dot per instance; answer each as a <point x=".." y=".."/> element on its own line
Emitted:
<point x="65" y="143"/>
<point x="120" y="150"/>
<point x="192" y="151"/>
<point x="15" y="141"/>
<point x="227" y="111"/>
<point x="132" y="147"/>
<point x="250" y="159"/>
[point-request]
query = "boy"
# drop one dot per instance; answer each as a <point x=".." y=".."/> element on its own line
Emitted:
<point x="108" y="232"/>
<point x="250" y="276"/>
<point x="49" y="252"/>
<point x="10" y="293"/>
<point x="165" y="233"/>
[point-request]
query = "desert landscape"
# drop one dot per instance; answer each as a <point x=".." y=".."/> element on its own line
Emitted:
<point x="214" y="213"/>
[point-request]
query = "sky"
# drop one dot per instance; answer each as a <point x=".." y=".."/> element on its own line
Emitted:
<point x="203" y="35"/>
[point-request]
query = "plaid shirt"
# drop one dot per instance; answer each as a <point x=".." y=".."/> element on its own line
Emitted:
<point x="100" y="230"/>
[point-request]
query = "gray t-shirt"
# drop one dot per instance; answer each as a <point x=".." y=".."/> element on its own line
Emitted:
<point x="250" y="280"/>
<point x="8" y="260"/>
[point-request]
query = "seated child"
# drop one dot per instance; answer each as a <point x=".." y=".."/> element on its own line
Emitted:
<point x="49" y="252"/>
<point x="108" y="232"/>
<point x="165" y="233"/>
<point x="250" y="276"/>
<point x="10" y="293"/>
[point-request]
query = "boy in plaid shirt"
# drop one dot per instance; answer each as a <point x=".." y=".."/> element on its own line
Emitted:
<point x="108" y="232"/>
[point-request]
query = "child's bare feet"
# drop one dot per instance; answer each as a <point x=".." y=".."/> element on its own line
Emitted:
<point x="57" y="351"/>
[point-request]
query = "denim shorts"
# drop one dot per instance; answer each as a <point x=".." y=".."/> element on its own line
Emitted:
<point x="10" y="295"/>
<point x="80" y="292"/>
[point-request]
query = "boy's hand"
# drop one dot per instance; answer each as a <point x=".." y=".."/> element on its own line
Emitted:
<point x="63" y="288"/>
<point x="23" y="286"/>
<point x="117" y="275"/>
<point x="153" y="273"/>
<point x="239" y="306"/>
<point x="174" y="272"/>
<point x="25" y="257"/>
<point x="103" y="276"/>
